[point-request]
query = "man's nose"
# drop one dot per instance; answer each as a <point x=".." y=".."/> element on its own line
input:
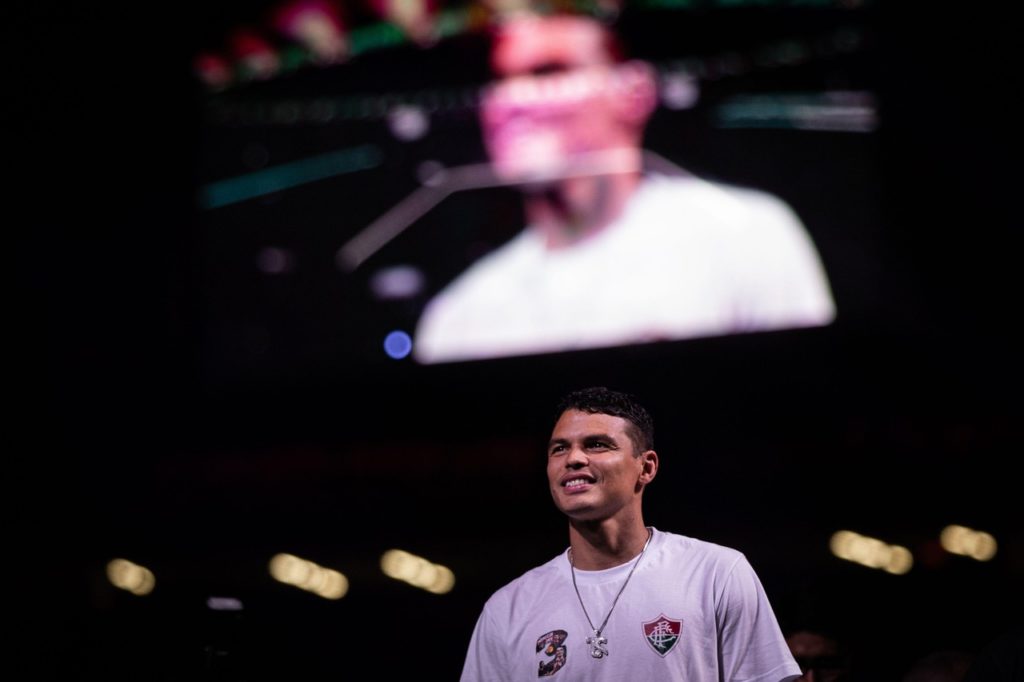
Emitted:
<point x="576" y="458"/>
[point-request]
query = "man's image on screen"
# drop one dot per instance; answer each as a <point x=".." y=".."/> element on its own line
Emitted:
<point x="612" y="254"/>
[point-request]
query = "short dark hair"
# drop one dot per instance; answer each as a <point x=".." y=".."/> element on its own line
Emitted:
<point x="601" y="400"/>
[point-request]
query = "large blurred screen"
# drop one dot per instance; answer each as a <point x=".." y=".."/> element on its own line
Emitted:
<point x="468" y="182"/>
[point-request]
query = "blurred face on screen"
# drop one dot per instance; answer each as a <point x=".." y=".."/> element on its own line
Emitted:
<point x="560" y="95"/>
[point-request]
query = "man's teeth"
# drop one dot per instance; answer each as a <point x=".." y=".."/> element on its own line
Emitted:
<point x="576" y="482"/>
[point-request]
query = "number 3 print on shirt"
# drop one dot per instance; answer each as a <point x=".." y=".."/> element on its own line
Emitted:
<point x="551" y="644"/>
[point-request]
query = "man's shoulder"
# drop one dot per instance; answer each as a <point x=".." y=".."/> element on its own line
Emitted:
<point x="455" y="323"/>
<point x="701" y="550"/>
<point x="488" y="278"/>
<point x="516" y="253"/>
<point x="711" y="195"/>
<point x="547" y="570"/>
<point x="530" y="579"/>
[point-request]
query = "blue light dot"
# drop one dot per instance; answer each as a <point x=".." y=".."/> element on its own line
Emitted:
<point x="397" y="345"/>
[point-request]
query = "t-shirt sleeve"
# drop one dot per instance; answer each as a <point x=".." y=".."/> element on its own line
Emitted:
<point x="751" y="644"/>
<point x="485" y="660"/>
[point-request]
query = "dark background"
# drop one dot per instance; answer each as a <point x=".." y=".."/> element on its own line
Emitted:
<point x="129" y="442"/>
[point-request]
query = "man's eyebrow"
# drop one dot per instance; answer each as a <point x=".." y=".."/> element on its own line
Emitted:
<point x="590" y="437"/>
<point x="600" y="436"/>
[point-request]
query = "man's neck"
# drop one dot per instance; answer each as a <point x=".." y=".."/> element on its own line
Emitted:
<point x="597" y="545"/>
<point x="575" y="209"/>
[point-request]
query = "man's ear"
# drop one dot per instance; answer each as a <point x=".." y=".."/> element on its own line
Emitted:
<point x="636" y="91"/>
<point x="649" y="466"/>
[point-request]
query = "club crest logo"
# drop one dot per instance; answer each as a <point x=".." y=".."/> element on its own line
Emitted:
<point x="662" y="633"/>
<point x="552" y="644"/>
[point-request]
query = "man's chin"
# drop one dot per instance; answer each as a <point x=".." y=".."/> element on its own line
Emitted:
<point x="582" y="513"/>
<point x="535" y="178"/>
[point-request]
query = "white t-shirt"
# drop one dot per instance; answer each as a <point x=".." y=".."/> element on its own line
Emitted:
<point x="687" y="258"/>
<point x="692" y="611"/>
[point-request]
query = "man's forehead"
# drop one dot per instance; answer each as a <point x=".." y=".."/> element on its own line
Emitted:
<point x="524" y="45"/>
<point x="578" y="423"/>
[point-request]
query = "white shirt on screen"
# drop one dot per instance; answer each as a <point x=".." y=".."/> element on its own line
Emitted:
<point x="687" y="258"/>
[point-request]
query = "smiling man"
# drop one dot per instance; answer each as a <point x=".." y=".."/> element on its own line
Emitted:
<point x="625" y="601"/>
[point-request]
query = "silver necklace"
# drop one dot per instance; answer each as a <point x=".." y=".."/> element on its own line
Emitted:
<point x="598" y="642"/>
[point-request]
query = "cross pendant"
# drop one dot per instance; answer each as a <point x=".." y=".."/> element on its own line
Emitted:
<point x="598" y="645"/>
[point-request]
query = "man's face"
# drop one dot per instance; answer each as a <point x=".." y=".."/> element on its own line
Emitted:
<point x="593" y="470"/>
<point x="557" y="97"/>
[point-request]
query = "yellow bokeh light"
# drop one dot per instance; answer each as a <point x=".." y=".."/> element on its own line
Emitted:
<point x="411" y="568"/>
<point x="900" y="561"/>
<point x="314" y="579"/>
<point x="393" y="562"/>
<point x="840" y="543"/>
<point x="968" y="542"/>
<point x="952" y="538"/>
<point x="286" y="568"/>
<point x="417" y="571"/>
<point x="335" y="585"/>
<point x="118" y="572"/>
<point x="309" y="576"/>
<point x="426" y="574"/>
<point x="985" y="547"/>
<point x="146" y="584"/>
<point x="871" y="552"/>
<point x="131" y="577"/>
<point x="444" y="582"/>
